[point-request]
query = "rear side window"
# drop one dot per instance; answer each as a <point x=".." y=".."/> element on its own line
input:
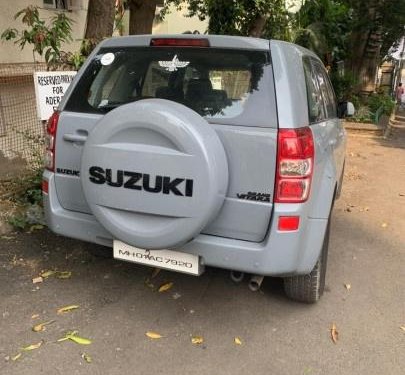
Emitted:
<point x="216" y="83"/>
<point x="326" y="90"/>
<point x="316" y="107"/>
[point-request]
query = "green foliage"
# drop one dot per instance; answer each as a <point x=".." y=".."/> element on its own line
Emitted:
<point x="27" y="189"/>
<point x="324" y="27"/>
<point x="363" y="114"/>
<point x="344" y="85"/>
<point x="18" y="221"/>
<point x="231" y="17"/>
<point x="45" y="39"/>
<point x="377" y="101"/>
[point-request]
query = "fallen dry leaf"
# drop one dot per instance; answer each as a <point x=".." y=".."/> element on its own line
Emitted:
<point x="65" y="338"/>
<point x="41" y="327"/>
<point x="7" y="238"/>
<point x="35" y="227"/>
<point x="37" y="280"/>
<point x="347" y="286"/>
<point x="153" y="335"/>
<point x="149" y="284"/>
<point x="66" y="309"/>
<point x="197" y="340"/>
<point x="403" y="328"/>
<point x="32" y="346"/>
<point x="72" y="336"/>
<point x="237" y="341"/>
<point x="334" y="334"/>
<point x="17" y="356"/>
<point x="87" y="358"/>
<point x="165" y="287"/>
<point x="155" y="272"/>
<point x="35" y="316"/>
<point x="46" y="274"/>
<point x="384" y="225"/>
<point x="78" y="339"/>
<point x="63" y="274"/>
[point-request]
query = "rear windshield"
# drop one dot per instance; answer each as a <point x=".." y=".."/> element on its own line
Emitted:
<point x="216" y="83"/>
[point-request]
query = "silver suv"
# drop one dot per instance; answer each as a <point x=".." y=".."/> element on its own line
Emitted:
<point x="185" y="151"/>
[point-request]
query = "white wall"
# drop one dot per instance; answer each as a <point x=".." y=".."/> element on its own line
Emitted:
<point x="11" y="53"/>
<point x="176" y="23"/>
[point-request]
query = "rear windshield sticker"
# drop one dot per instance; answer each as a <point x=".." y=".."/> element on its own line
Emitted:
<point x="107" y="58"/>
<point x="174" y="64"/>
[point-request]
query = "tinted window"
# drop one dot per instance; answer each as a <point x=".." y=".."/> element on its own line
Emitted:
<point x="215" y="83"/>
<point x="316" y="107"/>
<point x="326" y="90"/>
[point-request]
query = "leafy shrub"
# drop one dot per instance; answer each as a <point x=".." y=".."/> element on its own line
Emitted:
<point x="363" y="114"/>
<point x="344" y="85"/>
<point x="377" y="101"/>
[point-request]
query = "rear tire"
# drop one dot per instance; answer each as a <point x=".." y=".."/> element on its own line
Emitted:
<point x="309" y="288"/>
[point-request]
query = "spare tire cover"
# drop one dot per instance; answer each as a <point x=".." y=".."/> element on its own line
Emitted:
<point x="154" y="173"/>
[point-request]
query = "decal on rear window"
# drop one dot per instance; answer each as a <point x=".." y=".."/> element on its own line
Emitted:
<point x="107" y="59"/>
<point x="172" y="65"/>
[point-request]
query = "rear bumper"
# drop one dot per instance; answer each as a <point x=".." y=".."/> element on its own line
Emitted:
<point x="280" y="254"/>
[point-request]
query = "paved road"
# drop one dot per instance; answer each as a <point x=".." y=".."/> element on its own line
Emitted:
<point x="279" y="337"/>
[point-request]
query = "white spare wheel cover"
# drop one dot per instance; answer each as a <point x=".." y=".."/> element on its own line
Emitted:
<point x="154" y="173"/>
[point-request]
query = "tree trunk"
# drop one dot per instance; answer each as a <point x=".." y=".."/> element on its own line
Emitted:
<point x="365" y="47"/>
<point x="141" y="16"/>
<point x="100" y="20"/>
<point x="256" y="29"/>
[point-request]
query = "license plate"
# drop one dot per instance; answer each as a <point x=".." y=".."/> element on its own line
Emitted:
<point x="168" y="259"/>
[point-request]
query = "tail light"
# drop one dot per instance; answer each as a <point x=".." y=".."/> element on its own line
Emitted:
<point x="295" y="161"/>
<point x="50" y="140"/>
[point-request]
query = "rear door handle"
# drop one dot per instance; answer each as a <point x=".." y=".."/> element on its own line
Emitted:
<point x="79" y="137"/>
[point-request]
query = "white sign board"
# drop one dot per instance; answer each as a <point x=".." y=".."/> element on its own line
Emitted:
<point x="49" y="90"/>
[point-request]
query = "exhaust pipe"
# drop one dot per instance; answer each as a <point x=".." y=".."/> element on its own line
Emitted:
<point x="255" y="282"/>
<point x="237" y="276"/>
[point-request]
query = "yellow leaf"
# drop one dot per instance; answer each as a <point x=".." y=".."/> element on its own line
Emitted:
<point x="37" y="280"/>
<point x="17" y="356"/>
<point x="153" y="335"/>
<point x="67" y="309"/>
<point x="32" y="346"/>
<point x="334" y="334"/>
<point x="197" y="340"/>
<point x="35" y="227"/>
<point x="238" y="341"/>
<point x="41" y="327"/>
<point x="347" y="286"/>
<point x="403" y="328"/>
<point x="68" y="333"/>
<point x="87" y="358"/>
<point x="165" y="287"/>
<point x="46" y="274"/>
<point x="78" y="339"/>
<point x="35" y="316"/>
<point x="63" y="274"/>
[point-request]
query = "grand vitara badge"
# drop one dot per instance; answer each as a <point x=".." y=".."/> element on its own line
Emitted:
<point x="141" y="181"/>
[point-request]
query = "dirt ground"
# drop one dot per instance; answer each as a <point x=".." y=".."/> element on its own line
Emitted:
<point x="364" y="298"/>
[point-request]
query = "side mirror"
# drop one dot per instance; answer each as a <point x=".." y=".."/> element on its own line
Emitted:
<point x="345" y="109"/>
